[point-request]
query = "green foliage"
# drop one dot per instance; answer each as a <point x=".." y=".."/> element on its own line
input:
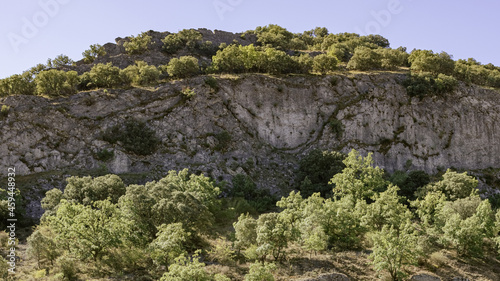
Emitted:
<point x="243" y="186"/>
<point x="56" y="82"/>
<point x="18" y="84"/>
<point x="87" y="190"/>
<point x="392" y="58"/>
<point x="454" y="185"/>
<point x="41" y="246"/>
<point x="185" y="269"/>
<point x="316" y="169"/>
<point x="190" y="38"/>
<point x="51" y="199"/>
<point x="273" y="236"/>
<point x="4" y="111"/>
<point x="93" y="53"/>
<point x="67" y="266"/>
<point x="337" y="127"/>
<point x="387" y="210"/>
<point x="359" y="178"/>
<point x="135" y="136"/>
<point x="304" y="63"/>
<point x="212" y="83"/>
<point x="187" y="92"/>
<point x="421" y="85"/>
<point x="409" y="182"/>
<point x="168" y="244"/>
<point x="274" y="36"/>
<point x="393" y="249"/>
<point x="222" y="252"/>
<point x="324" y="63"/>
<point x="101" y="76"/>
<point x="260" y="272"/>
<point x="428" y="61"/>
<point x="184" y="66"/>
<point x="223" y="140"/>
<point x="141" y="73"/>
<point x="60" y="60"/>
<point x="137" y="45"/>
<point x="105" y="155"/>
<point x="88" y="232"/>
<point x="365" y="58"/>
<point x="172" y="43"/>
<point x="245" y="231"/>
<point x="471" y="71"/>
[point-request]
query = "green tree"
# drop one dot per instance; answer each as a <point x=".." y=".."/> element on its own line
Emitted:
<point x="428" y="61"/>
<point x="454" y="185"/>
<point x="392" y="58"/>
<point x="185" y="269"/>
<point x="318" y="167"/>
<point x="51" y="200"/>
<point x="141" y="73"/>
<point x="303" y="63"/>
<point x="277" y="62"/>
<point x="172" y="43"/>
<point x="101" y="76"/>
<point x="89" y="232"/>
<point x="135" y="136"/>
<point x="260" y="272"/>
<point x="274" y="36"/>
<point x="138" y="45"/>
<point x="56" y="82"/>
<point x="18" y="84"/>
<point x="324" y="63"/>
<point x="393" y="249"/>
<point x="359" y="178"/>
<point x="42" y="246"/>
<point x="60" y="60"/>
<point x="87" y="190"/>
<point x="185" y="66"/>
<point x="95" y="51"/>
<point x="245" y="231"/>
<point x="365" y="58"/>
<point x="387" y="210"/>
<point x="168" y="244"/>
<point x="273" y="236"/>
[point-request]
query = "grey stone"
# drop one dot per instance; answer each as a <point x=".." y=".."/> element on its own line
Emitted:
<point x="424" y="277"/>
<point x="329" y="277"/>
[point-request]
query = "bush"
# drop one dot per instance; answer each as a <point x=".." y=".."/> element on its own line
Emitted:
<point x="277" y="62"/>
<point x="260" y="272"/>
<point x="392" y="58"/>
<point x="87" y="190"/>
<point x="185" y="66"/>
<point x="324" y="63"/>
<point x="101" y="76"/>
<point x="212" y="83"/>
<point x="425" y="84"/>
<point x="172" y="43"/>
<point x="244" y="187"/>
<point x="455" y="185"/>
<point x="60" y="60"/>
<point x="169" y="244"/>
<point x="56" y="82"/>
<point x="303" y="63"/>
<point x="105" y="155"/>
<point x="274" y="36"/>
<point x="18" y="84"/>
<point x="4" y="112"/>
<point x="141" y="73"/>
<point x="185" y="268"/>
<point x="137" y="45"/>
<point x="318" y="167"/>
<point x="365" y="58"/>
<point x="428" y="61"/>
<point x="135" y="136"/>
<point x="91" y="54"/>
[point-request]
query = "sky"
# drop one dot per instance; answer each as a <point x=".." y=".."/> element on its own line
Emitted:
<point x="31" y="31"/>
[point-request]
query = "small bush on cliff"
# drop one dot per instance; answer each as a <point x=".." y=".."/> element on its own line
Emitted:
<point x="324" y="63"/>
<point x="428" y="61"/>
<point x="141" y="73"/>
<point x="135" y="136"/>
<point x="56" y="82"/>
<point x="101" y="76"/>
<point x="137" y="45"/>
<point x="18" y="84"/>
<point x="365" y="58"/>
<point x="183" y="67"/>
<point x="91" y="54"/>
<point x="425" y="84"/>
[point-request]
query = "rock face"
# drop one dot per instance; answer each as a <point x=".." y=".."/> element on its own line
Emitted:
<point x="424" y="277"/>
<point x="268" y="122"/>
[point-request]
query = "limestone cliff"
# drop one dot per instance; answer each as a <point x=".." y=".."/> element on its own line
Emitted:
<point x="271" y="121"/>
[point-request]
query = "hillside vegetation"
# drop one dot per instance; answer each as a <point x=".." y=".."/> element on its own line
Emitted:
<point x="333" y="213"/>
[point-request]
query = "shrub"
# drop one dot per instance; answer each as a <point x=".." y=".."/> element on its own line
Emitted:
<point x="260" y="272"/>
<point x="222" y="252"/>
<point x="244" y="187"/>
<point x="134" y="135"/>
<point x="274" y="36"/>
<point x="318" y="167"/>
<point x="18" y="84"/>
<point x="277" y="62"/>
<point x="183" y="67"/>
<point x="324" y="63"/>
<point x="101" y="76"/>
<point x="169" y="244"/>
<point x="273" y="236"/>
<point x="60" y="60"/>
<point x="428" y="61"/>
<point x="190" y="38"/>
<point x="303" y="63"/>
<point x="455" y="185"/>
<point x="141" y="73"/>
<point x="425" y="84"/>
<point x="392" y="58"/>
<point x="91" y="54"/>
<point x="137" y="45"/>
<point x="365" y="58"/>
<point x="212" y="83"/>
<point x="56" y="82"/>
<point x="185" y="268"/>
<point x="4" y="112"/>
<point x="245" y="231"/>
<point x="188" y="92"/>
<point x="105" y="155"/>
<point x="172" y="43"/>
<point x="87" y="190"/>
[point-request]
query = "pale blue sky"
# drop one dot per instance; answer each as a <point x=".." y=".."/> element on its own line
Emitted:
<point x="33" y="30"/>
